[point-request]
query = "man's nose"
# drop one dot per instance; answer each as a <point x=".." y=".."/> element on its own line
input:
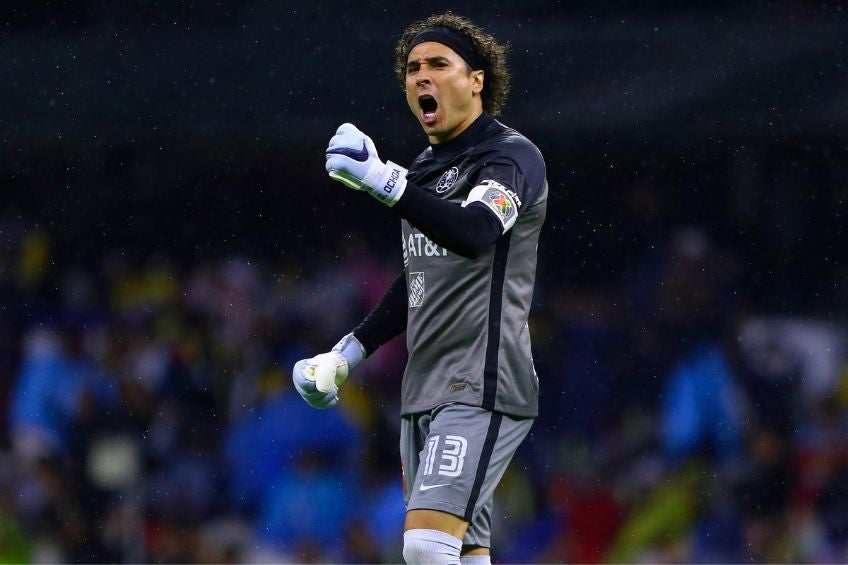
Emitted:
<point x="423" y="75"/>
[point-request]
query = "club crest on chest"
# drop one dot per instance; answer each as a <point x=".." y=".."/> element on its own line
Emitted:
<point x="447" y="180"/>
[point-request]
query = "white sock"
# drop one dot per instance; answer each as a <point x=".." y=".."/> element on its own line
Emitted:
<point x="476" y="560"/>
<point x="430" y="546"/>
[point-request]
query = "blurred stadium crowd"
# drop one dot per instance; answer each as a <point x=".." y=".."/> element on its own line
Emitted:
<point x="149" y="417"/>
<point x="169" y="247"/>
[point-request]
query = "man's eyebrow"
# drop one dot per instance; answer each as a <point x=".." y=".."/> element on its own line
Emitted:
<point x="428" y="60"/>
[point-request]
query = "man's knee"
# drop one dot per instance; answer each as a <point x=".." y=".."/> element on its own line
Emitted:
<point x="430" y="546"/>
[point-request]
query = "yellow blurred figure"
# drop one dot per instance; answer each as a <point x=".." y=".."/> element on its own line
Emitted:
<point x="34" y="259"/>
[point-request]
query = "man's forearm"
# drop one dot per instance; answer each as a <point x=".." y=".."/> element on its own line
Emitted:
<point x="467" y="231"/>
<point x="386" y="320"/>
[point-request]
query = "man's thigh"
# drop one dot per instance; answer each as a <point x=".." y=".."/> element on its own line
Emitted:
<point x="453" y="459"/>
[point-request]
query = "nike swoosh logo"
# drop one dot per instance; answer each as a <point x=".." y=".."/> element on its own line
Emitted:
<point x="428" y="487"/>
<point x="360" y="155"/>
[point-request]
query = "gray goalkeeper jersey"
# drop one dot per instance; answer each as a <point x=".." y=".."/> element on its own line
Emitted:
<point x="467" y="332"/>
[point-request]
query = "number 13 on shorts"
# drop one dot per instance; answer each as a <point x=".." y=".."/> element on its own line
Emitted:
<point x="452" y="457"/>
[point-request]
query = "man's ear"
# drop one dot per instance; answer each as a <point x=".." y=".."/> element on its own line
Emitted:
<point x="477" y="79"/>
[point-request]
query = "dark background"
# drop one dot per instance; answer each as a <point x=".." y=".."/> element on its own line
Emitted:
<point x="201" y="130"/>
<point x="140" y="134"/>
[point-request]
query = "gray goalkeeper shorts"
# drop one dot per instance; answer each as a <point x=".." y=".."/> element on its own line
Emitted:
<point x="453" y="458"/>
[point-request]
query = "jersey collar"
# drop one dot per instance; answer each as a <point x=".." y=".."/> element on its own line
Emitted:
<point x="464" y="140"/>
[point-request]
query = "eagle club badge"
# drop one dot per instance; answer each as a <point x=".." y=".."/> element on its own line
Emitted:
<point x="447" y="180"/>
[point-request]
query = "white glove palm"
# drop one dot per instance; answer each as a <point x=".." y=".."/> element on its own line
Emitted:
<point x="352" y="160"/>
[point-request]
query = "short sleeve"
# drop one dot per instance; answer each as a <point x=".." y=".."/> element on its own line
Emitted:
<point x="504" y="189"/>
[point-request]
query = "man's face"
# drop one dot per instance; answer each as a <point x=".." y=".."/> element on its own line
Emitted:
<point x="440" y="90"/>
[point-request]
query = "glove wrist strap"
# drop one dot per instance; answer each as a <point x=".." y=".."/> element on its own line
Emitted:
<point x="351" y="349"/>
<point x="391" y="183"/>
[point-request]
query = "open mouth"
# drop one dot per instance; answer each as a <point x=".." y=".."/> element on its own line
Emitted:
<point x="428" y="107"/>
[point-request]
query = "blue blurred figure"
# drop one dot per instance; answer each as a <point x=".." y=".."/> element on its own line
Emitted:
<point x="308" y="506"/>
<point x="285" y="462"/>
<point x="700" y="407"/>
<point x="46" y="400"/>
<point x="266" y="442"/>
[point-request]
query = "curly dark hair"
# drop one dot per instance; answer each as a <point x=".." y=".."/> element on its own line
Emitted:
<point x="496" y="75"/>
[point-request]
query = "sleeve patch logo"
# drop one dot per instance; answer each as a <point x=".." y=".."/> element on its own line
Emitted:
<point x="501" y="204"/>
<point x="447" y="180"/>
<point x="416" y="289"/>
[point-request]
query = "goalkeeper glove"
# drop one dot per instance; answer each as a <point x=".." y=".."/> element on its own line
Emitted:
<point x="318" y="379"/>
<point x="352" y="160"/>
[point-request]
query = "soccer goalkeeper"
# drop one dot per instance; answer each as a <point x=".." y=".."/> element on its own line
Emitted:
<point x="472" y="205"/>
